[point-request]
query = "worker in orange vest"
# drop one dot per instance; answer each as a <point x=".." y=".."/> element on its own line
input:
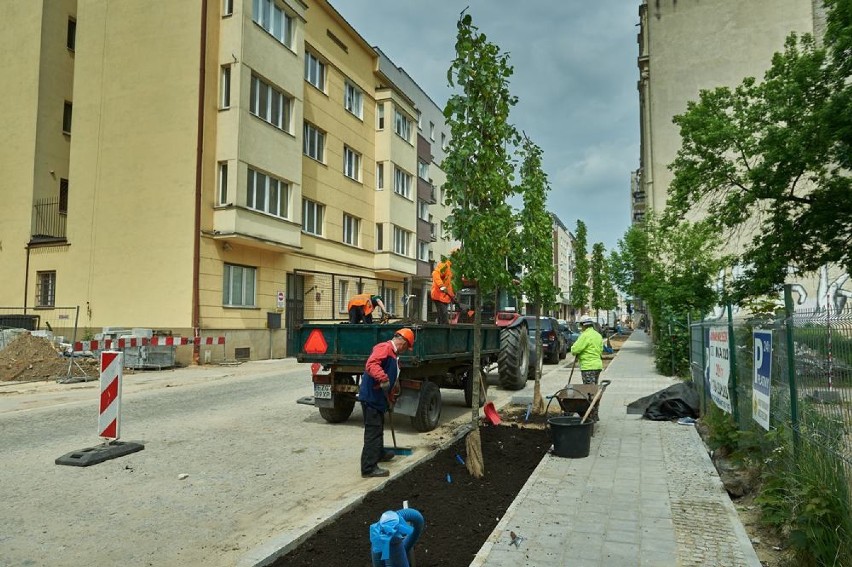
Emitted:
<point x="361" y="307"/>
<point x="442" y="288"/>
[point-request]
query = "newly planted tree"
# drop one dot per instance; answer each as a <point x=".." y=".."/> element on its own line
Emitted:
<point x="537" y="247"/>
<point x="597" y="279"/>
<point x="580" y="287"/>
<point x="479" y="181"/>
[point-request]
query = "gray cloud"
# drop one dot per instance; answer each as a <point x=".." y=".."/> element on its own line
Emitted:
<point x="574" y="75"/>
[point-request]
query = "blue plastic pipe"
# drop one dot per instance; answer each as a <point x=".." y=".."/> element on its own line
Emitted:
<point x="392" y="538"/>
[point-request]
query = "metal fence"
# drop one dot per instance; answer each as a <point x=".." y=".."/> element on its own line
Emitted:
<point x="810" y="390"/>
<point x="61" y="321"/>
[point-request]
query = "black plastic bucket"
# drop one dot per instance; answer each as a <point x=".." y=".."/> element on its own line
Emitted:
<point x="570" y="438"/>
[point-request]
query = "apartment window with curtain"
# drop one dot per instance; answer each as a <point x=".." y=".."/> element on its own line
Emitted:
<point x="401" y="241"/>
<point x="351" y="163"/>
<point x="351" y="229"/>
<point x="225" y="101"/>
<point x="267" y="194"/>
<point x="343" y="295"/>
<point x="272" y="18"/>
<point x="353" y="99"/>
<point x="390" y="297"/>
<point x="380" y="176"/>
<point x="380" y="116"/>
<point x="314" y="71"/>
<point x="432" y="131"/>
<point x="401" y="183"/>
<point x="422" y="251"/>
<point x="422" y="210"/>
<point x="401" y="125"/>
<point x="223" y="182"/>
<point x="313" y="142"/>
<point x="423" y="170"/>
<point x="269" y="104"/>
<point x="238" y="286"/>
<point x="312" y="215"/>
<point x="46" y="289"/>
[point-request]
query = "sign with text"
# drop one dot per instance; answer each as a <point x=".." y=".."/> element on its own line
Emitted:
<point x="720" y="368"/>
<point x="762" y="377"/>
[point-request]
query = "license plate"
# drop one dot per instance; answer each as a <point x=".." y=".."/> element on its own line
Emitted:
<point x="322" y="391"/>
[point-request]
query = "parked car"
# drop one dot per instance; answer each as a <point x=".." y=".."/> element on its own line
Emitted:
<point x="570" y="332"/>
<point x="552" y="343"/>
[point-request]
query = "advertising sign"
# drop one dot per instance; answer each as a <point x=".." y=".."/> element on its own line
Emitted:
<point x="720" y="368"/>
<point x="762" y="377"/>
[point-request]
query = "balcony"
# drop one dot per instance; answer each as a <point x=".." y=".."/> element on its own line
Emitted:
<point x="433" y="232"/>
<point x="638" y="196"/>
<point x="256" y="229"/>
<point x="48" y="223"/>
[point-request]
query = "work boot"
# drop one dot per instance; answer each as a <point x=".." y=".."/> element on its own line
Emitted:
<point x="388" y="456"/>
<point x="378" y="471"/>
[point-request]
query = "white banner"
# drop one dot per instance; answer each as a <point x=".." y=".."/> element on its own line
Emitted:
<point x="762" y="377"/>
<point x="720" y="368"/>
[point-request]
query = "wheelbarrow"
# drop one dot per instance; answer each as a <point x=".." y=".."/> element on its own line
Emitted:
<point x="578" y="398"/>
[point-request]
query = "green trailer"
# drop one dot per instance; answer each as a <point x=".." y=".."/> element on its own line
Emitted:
<point x="442" y="357"/>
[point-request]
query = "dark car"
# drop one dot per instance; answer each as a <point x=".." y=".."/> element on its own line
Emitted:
<point x="552" y="342"/>
<point x="570" y="332"/>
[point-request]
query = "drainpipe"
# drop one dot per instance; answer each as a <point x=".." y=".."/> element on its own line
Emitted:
<point x="26" y="278"/>
<point x="196" y="236"/>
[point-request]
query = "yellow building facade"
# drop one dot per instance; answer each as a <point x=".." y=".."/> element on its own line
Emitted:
<point x="209" y="167"/>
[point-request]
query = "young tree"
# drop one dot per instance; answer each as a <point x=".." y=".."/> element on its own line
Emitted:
<point x="536" y="239"/>
<point x="772" y="159"/>
<point x="479" y="181"/>
<point x="598" y="268"/>
<point x="580" y="286"/>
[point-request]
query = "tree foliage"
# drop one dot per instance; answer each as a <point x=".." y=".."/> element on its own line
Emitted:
<point x="580" y="285"/>
<point x="769" y="161"/>
<point x="479" y="180"/>
<point x="597" y="268"/>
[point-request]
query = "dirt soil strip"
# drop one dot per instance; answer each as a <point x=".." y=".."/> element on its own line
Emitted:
<point x="460" y="512"/>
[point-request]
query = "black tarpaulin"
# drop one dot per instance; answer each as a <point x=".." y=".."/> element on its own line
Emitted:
<point x="676" y="401"/>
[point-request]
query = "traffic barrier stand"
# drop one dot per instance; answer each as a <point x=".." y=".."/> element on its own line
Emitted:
<point x="109" y="418"/>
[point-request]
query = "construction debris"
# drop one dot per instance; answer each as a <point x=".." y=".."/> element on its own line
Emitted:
<point x="27" y="358"/>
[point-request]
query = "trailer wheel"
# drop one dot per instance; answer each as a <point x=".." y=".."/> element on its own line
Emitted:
<point x="514" y="357"/>
<point x="468" y="390"/>
<point x="429" y="408"/>
<point x="343" y="405"/>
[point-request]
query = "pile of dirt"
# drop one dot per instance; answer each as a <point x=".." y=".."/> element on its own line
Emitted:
<point x="28" y="358"/>
<point x="460" y="512"/>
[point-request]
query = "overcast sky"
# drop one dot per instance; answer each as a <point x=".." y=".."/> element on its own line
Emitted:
<point x="574" y="75"/>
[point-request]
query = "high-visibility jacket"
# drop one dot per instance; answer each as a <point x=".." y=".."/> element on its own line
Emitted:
<point x="362" y="299"/>
<point x="588" y="349"/>
<point x="442" y="276"/>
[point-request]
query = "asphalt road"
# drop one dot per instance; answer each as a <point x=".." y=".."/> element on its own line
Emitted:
<point x="262" y="469"/>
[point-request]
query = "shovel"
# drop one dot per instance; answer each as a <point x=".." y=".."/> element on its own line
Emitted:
<point x="404" y="451"/>
<point x="490" y="411"/>
<point x="573" y="365"/>
<point x="595" y="400"/>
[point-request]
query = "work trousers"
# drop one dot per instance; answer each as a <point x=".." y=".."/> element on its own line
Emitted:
<point x="356" y="315"/>
<point x="374" y="438"/>
<point x="590" y="376"/>
<point x="442" y="310"/>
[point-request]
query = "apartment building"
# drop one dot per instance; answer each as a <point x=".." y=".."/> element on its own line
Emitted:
<point x="563" y="260"/>
<point x="203" y="168"/>
<point x="689" y="45"/>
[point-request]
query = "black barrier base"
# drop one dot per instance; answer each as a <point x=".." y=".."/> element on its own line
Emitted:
<point x="99" y="454"/>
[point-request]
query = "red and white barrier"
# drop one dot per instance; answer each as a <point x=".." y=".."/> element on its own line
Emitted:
<point x="109" y="418"/>
<point x="144" y="341"/>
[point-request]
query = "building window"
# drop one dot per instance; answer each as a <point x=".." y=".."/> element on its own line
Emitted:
<point x="71" y="37"/>
<point x="267" y="194"/>
<point x="401" y="241"/>
<point x="380" y="237"/>
<point x="432" y="131"/>
<point x="401" y="125"/>
<point x="223" y="182"/>
<point x="269" y="104"/>
<point x="314" y="142"/>
<point x="226" y="87"/>
<point x="422" y="210"/>
<point x="351" y="163"/>
<point x="227" y="7"/>
<point x="353" y="99"/>
<point x="422" y="251"/>
<point x="343" y="294"/>
<point x="238" y="286"/>
<point x="389" y="296"/>
<point x="66" y="117"/>
<point x="401" y="183"/>
<point x="423" y="170"/>
<point x="314" y="71"/>
<point x="443" y="141"/>
<point x="312" y="214"/>
<point x="380" y="116"/>
<point x="380" y="176"/>
<point x="63" y="196"/>
<point x="351" y="228"/>
<point x="45" y="289"/>
<point x="276" y="22"/>
<point x="419" y="120"/>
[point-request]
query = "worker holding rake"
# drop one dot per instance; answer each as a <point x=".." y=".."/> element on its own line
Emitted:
<point x="378" y="391"/>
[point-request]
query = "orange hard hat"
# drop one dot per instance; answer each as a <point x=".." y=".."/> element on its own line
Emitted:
<point x="408" y="335"/>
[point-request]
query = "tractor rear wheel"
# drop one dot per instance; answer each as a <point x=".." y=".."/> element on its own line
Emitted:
<point x="514" y="357"/>
<point x="429" y="408"/>
<point x="343" y="404"/>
